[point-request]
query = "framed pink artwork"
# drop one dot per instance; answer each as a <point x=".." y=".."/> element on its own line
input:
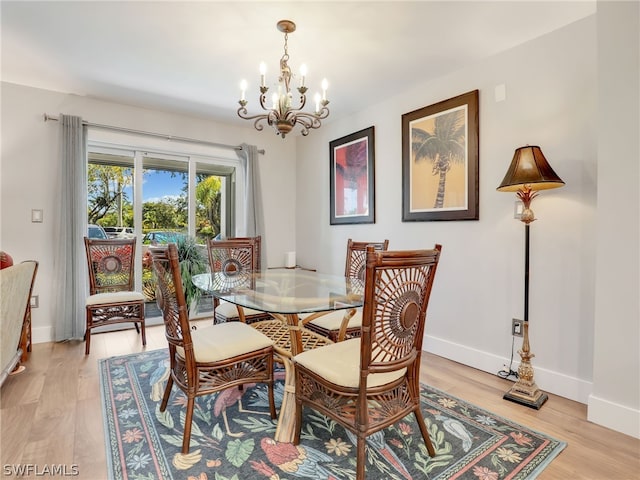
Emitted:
<point x="352" y="180"/>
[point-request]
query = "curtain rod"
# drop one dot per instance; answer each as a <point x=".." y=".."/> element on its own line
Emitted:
<point x="48" y="117"/>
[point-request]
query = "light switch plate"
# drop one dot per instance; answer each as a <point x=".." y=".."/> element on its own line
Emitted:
<point x="517" y="327"/>
<point x="518" y="209"/>
<point x="36" y="215"/>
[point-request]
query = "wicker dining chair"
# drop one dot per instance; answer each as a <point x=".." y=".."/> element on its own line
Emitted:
<point x="257" y="251"/>
<point x="368" y="383"/>
<point x="112" y="298"/>
<point x="234" y="256"/>
<point x="26" y="341"/>
<point x="210" y="359"/>
<point x="341" y="324"/>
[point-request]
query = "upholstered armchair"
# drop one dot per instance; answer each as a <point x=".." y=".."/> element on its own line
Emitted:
<point x="16" y="284"/>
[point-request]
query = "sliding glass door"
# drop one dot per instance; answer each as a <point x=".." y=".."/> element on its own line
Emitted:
<point x="159" y="198"/>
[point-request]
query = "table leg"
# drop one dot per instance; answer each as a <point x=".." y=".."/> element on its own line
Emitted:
<point x="286" y="419"/>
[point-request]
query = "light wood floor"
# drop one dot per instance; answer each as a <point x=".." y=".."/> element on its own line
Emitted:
<point x="51" y="413"/>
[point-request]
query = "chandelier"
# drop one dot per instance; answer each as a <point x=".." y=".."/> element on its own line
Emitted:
<point x="282" y="115"/>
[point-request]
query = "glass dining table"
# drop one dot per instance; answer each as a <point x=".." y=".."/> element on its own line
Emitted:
<point x="286" y="294"/>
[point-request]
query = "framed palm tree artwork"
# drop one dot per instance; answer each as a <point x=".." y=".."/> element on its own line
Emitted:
<point x="440" y="161"/>
<point x="352" y="179"/>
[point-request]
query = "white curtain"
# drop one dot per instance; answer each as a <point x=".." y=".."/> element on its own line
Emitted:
<point x="70" y="265"/>
<point x="253" y="215"/>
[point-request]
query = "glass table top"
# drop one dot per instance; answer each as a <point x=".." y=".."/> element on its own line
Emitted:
<point x="284" y="290"/>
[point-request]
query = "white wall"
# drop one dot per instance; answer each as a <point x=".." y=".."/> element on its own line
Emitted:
<point x="616" y="374"/>
<point x="551" y="102"/>
<point x="30" y="167"/>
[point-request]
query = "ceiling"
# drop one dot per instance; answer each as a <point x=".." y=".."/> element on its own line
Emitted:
<point x="189" y="57"/>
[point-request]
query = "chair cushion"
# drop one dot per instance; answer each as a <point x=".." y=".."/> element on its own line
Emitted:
<point x="333" y="320"/>
<point x="225" y="340"/>
<point x="115" y="297"/>
<point x="339" y="363"/>
<point x="229" y="310"/>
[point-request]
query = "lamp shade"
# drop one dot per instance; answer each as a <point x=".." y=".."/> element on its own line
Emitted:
<point x="530" y="168"/>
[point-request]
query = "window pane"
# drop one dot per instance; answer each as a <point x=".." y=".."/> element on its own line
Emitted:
<point x="208" y="206"/>
<point x="110" y="194"/>
<point x="164" y="206"/>
<point x="215" y="206"/>
<point x="164" y="201"/>
<point x="164" y="214"/>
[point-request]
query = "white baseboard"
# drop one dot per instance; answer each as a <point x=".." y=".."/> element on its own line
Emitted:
<point x="613" y="415"/>
<point x="600" y="411"/>
<point x="547" y="380"/>
<point x="45" y="334"/>
<point x="42" y="334"/>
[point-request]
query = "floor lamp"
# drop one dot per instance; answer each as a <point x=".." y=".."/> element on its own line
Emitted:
<point x="529" y="172"/>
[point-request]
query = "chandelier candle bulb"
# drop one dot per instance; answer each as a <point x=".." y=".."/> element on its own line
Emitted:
<point x="243" y="89"/>
<point x="263" y="72"/>
<point x="325" y="86"/>
<point x="303" y="73"/>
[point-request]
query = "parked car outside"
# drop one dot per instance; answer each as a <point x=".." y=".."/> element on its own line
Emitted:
<point x="96" y="231"/>
<point x="119" y="232"/>
<point x="160" y="237"/>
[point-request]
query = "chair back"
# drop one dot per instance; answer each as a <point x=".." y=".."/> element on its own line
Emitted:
<point x="111" y="264"/>
<point x="258" y="248"/>
<point x="233" y="257"/>
<point x="397" y="290"/>
<point x="356" y="262"/>
<point x="171" y="300"/>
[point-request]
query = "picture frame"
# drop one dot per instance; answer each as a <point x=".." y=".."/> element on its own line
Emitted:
<point x="440" y="161"/>
<point x="352" y="178"/>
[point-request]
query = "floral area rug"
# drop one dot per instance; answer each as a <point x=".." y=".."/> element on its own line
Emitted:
<point x="232" y="436"/>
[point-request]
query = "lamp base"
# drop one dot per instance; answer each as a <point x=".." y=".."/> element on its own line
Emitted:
<point x="525" y="391"/>
<point x="531" y="400"/>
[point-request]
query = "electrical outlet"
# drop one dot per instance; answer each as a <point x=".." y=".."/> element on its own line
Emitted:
<point x="35" y="301"/>
<point x="517" y="327"/>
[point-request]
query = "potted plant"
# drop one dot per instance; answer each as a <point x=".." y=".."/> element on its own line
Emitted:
<point x="192" y="262"/>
